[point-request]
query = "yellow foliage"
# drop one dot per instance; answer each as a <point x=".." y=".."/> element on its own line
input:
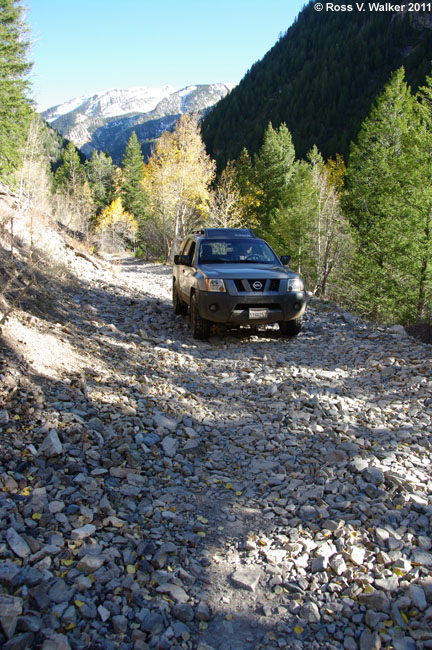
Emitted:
<point x="177" y="179"/>
<point x="115" y="214"/>
<point x="336" y="171"/>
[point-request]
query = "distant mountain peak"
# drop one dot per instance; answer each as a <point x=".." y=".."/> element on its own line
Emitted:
<point x="104" y="120"/>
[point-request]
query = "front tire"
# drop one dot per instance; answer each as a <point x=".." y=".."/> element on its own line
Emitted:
<point x="180" y="307"/>
<point x="291" y="328"/>
<point x="200" y="326"/>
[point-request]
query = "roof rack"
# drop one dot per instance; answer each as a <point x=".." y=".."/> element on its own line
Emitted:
<point x="225" y="232"/>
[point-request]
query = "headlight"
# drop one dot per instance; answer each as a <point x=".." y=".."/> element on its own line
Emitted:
<point x="295" y="284"/>
<point x="215" y="285"/>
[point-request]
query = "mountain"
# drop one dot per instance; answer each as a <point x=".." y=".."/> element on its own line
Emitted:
<point x="321" y="79"/>
<point x="105" y="120"/>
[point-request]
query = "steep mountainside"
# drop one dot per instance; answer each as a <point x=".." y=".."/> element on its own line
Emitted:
<point x="105" y="120"/>
<point x="320" y="79"/>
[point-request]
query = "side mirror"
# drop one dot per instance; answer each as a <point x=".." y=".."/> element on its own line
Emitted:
<point x="285" y="259"/>
<point x="185" y="260"/>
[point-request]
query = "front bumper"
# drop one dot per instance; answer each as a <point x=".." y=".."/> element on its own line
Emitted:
<point x="251" y="309"/>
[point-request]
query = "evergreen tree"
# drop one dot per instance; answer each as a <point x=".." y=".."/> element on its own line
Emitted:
<point x="376" y="205"/>
<point x="70" y="175"/>
<point x="133" y="197"/>
<point x="274" y="167"/>
<point x="15" y="106"/>
<point x="417" y="190"/>
<point x="100" y="174"/>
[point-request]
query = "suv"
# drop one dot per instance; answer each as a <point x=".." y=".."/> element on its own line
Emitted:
<point x="229" y="276"/>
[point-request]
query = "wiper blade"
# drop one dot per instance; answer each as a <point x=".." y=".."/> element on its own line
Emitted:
<point x="251" y="262"/>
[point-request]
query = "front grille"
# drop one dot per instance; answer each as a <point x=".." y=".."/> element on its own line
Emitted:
<point x="244" y="286"/>
<point x="257" y="285"/>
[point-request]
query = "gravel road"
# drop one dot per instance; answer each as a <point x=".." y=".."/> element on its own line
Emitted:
<point x="249" y="492"/>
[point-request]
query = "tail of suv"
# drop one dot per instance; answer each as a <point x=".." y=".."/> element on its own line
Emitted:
<point x="230" y="277"/>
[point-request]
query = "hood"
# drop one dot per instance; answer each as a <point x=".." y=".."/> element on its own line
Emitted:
<point x="242" y="271"/>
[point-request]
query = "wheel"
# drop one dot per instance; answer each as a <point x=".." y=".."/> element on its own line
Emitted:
<point x="200" y="326"/>
<point x="290" y="327"/>
<point x="180" y="307"/>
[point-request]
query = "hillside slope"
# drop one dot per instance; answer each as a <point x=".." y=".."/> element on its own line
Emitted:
<point x="320" y="79"/>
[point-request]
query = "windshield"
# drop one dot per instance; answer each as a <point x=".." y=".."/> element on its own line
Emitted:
<point x="241" y="251"/>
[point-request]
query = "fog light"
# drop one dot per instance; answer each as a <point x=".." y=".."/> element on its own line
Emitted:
<point x="213" y="307"/>
<point x="296" y="306"/>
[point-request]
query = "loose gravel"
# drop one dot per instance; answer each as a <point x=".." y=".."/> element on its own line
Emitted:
<point x="249" y="492"/>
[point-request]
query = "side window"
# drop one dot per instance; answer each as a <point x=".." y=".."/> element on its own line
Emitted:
<point x="190" y="248"/>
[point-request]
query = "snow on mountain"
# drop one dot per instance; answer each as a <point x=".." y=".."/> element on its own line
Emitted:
<point x="106" y="119"/>
<point x="110" y="103"/>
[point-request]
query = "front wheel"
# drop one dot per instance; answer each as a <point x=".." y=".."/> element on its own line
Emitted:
<point x="200" y="326"/>
<point x="291" y="327"/>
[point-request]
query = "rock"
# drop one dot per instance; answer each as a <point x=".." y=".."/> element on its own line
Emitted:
<point x="10" y="608"/>
<point x="376" y="600"/>
<point x="310" y="613"/>
<point x="51" y="446"/>
<point x="170" y="446"/>
<point x="357" y="554"/>
<point x="20" y="642"/>
<point x="83" y="532"/>
<point x="246" y="578"/>
<point x="174" y="591"/>
<point x="418" y="597"/>
<point x="203" y="612"/>
<point x="17" y="544"/>
<point x="90" y="563"/>
<point x="56" y="642"/>
<point x="165" y="422"/>
<point x="370" y="640"/>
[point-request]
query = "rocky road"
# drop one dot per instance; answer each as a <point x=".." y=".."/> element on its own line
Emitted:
<point x="249" y="492"/>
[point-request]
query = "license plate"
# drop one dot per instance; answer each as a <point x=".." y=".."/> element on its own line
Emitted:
<point x="258" y="313"/>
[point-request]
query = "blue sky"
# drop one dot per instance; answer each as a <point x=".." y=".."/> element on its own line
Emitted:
<point x="83" y="46"/>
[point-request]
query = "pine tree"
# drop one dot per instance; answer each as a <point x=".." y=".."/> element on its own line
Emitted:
<point x="70" y="175"/>
<point x="133" y="197"/>
<point x="15" y="106"/>
<point x="417" y="191"/>
<point x="100" y="172"/>
<point x="375" y="203"/>
<point x="275" y="166"/>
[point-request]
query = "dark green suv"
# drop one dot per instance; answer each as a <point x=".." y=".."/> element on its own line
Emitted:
<point x="229" y="276"/>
